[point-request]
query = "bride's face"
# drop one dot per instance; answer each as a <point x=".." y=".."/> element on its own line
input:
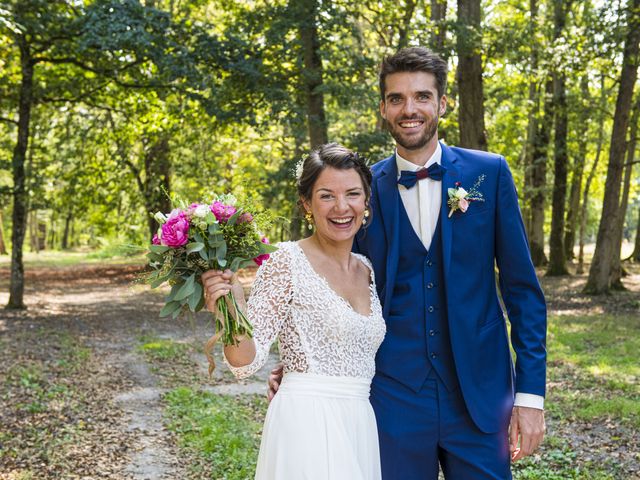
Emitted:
<point x="337" y="204"/>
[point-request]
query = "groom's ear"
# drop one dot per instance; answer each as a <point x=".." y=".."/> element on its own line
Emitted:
<point x="442" y="108"/>
<point x="382" y="109"/>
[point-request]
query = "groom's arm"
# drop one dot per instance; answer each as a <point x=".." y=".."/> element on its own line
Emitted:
<point x="526" y="309"/>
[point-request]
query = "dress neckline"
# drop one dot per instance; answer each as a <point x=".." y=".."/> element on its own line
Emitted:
<point x="332" y="290"/>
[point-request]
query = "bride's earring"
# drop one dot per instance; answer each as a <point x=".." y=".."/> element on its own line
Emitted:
<point x="309" y="218"/>
<point x="366" y="216"/>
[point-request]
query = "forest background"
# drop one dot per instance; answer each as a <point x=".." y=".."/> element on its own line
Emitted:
<point x="109" y="108"/>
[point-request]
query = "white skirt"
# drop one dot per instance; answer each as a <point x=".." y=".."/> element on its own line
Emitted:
<point x="320" y="428"/>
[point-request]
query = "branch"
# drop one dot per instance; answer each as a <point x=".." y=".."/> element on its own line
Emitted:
<point x="8" y="120"/>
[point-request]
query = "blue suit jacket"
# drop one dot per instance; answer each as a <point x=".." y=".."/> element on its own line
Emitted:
<point x="489" y="233"/>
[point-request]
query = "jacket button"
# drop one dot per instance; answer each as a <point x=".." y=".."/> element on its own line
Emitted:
<point x="433" y="355"/>
<point x="432" y="333"/>
<point x="431" y="309"/>
<point x="429" y="285"/>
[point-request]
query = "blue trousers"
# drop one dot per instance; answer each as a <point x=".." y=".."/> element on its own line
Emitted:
<point x="421" y="432"/>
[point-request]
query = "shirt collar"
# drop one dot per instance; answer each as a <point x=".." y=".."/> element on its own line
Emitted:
<point x="404" y="164"/>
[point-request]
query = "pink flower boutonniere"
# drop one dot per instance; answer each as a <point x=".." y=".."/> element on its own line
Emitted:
<point x="459" y="198"/>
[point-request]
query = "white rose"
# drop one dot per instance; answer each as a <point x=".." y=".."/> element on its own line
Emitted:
<point x="201" y="211"/>
<point x="160" y="217"/>
<point x="461" y="193"/>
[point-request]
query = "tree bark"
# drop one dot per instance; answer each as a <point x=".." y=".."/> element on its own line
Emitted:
<point x="578" y="171"/>
<point x="19" y="217"/>
<point x="157" y="180"/>
<point x="439" y="26"/>
<point x="65" y="234"/>
<point x="599" y="280"/>
<point x="312" y="74"/>
<point x="616" y="262"/>
<point x="469" y="76"/>
<point x="557" y="261"/>
<point x="3" y="246"/>
<point x="592" y="173"/>
<point x="635" y="256"/>
<point x="403" y="34"/>
<point x="539" y="179"/>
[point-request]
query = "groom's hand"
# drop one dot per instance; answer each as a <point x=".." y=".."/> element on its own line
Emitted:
<point x="275" y="378"/>
<point x="526" y="431"/>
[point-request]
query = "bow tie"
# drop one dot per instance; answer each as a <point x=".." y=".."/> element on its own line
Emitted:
<point x="409" y="179"/>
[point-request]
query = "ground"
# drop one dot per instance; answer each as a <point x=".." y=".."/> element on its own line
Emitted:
<point x="96" y="385"/>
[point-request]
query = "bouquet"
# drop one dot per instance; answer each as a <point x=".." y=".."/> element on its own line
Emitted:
<point x="201" y="237"/>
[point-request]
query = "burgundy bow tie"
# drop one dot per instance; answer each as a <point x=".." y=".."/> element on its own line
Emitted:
<point x="409" y="179"/>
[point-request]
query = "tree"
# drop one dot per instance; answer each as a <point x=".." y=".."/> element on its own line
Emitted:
<point x="469" y="76"/>
<point x="599" y="280"/>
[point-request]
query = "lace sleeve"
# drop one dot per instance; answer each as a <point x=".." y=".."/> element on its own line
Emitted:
<point x="267" y="309"/>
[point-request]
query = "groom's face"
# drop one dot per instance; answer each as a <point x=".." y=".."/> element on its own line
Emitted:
<point x="411" y="109"/>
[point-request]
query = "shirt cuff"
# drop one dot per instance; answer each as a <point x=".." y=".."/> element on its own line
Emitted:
<point x="529" y="400"/>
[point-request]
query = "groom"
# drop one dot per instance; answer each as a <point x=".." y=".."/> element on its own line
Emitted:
<point x="445" y="384"/>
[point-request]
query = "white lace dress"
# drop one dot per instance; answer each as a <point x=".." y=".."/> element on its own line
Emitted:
<point x="320" y="425"/>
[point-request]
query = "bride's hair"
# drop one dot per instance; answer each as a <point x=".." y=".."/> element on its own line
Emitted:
<point x="335" y="156"/>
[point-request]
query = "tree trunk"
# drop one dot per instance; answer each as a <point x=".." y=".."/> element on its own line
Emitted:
<point x="539" y="179"/>
<point x="438" y="26"/>
<point x="616" y="262"/>
<point x="600" y="272"/>
<point x="635" y="256"/>
<point x="312" y="73"/>
<point x="19" y="217"/>
<point x="403" y="34"/>
<point x="65" y="234"/>
<point x="3" y="246"/>
<point x="469" y="76"/>
<point x="157" y="180"/>
<point x="557" y="261"/>
<point x="578" y="171"/>
<point x="585" y="195"/>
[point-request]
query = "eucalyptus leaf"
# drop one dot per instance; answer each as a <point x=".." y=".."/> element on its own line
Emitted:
<point x="158" y="248"/>
<point x="169" y="308"/>
<point x="194" y="247"/>
<point x="187" y="288"/>
<point x="194" y="298"/>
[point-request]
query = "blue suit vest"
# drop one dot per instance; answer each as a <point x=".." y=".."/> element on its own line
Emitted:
<point x="417" y="342"/>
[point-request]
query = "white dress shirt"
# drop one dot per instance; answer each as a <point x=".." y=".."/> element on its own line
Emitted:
<point x="422" y="203"/>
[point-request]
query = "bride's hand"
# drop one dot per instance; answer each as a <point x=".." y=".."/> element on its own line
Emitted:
<point x="217" y="284"/>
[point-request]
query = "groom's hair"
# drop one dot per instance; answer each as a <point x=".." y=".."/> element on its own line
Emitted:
<point x="414" y="59"/>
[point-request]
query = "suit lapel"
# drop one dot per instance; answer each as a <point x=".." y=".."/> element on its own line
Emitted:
<point x="387" y="187"/>
<point x="452" y="175"/>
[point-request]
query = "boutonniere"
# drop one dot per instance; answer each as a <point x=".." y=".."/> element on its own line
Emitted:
<point x="459" y="198"/>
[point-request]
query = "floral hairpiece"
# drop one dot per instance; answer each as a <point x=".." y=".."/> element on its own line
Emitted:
<point x="299" y="167"/>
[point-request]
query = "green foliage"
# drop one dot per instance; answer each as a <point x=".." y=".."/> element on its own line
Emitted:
<point x="222" y="432"/>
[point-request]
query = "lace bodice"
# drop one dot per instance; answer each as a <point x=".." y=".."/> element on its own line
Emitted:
<point x="318" y="331"/>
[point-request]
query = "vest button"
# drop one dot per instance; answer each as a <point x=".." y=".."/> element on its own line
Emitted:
<point x="429" y="285"/>
<point x="431" y="309"/>
<point x="433" y="355"/>
<point x="429" y="263"/>
<point x="432" y="333"/>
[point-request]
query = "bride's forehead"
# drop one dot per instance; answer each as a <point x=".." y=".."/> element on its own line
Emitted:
<point x="333" y="177"/>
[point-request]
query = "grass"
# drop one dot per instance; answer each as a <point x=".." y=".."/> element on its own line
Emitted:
<point x="593" y="380"/>
<point x="222" y="433"/>
<point x="55" y="258"/>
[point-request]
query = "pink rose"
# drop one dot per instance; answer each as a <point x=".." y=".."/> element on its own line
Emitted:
<point x="156" y="240"/>
<point x="265" y="256"/>
<point x="176" y="229"/>
<point x="221" y="211"/>
<point x="246" y="217"/>
<point x="464" y="204"/>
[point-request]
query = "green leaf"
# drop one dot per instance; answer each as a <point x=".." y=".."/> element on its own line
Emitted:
<point x="194" y="298"/>
<point x="214" y="228"/>
<point x="234" y="218"/>
<point x="267" y="248"/>
<point x="169" y="308"/>
<point x="194" y="247"/>
<point x="187" y="288"/>
<point x="174" y="290"/>
<point x="221" y="253"/>
<point x="235" y="264"/>
<point x="159" y="248"/>
<point x="204" y="255"/>
<point x="198" y="238"/>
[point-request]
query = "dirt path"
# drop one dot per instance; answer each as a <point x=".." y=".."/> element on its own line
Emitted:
<point x="103" y="314"/>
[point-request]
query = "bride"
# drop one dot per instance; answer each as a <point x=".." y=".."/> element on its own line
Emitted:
<point x="320" y="301"/>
